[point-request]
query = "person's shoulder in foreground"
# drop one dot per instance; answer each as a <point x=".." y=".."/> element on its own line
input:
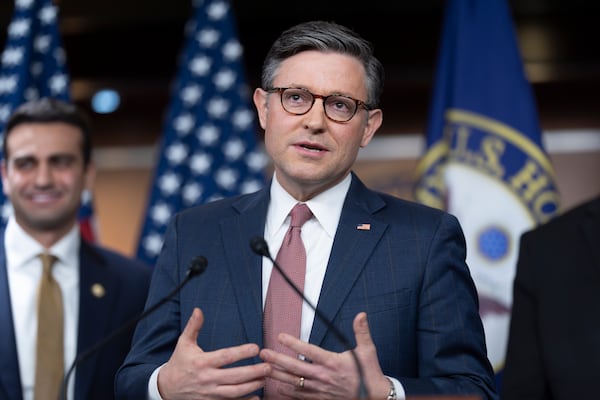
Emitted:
<point x="553" y="348"/>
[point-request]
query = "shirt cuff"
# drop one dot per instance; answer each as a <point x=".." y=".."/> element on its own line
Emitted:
<point x="400" y="393"/>
<point x="153" y="393"/>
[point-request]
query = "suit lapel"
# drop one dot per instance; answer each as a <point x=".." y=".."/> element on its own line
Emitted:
<point x="357" y="235"/>
<point x="97" y="294"/>
<point x="10" y="379"/>
<point x="244" y="266"/>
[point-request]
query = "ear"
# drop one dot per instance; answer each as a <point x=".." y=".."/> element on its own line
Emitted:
<point x="260" y="102"/>
<point x="374" y="121"/>
<point x="5" y="183"/>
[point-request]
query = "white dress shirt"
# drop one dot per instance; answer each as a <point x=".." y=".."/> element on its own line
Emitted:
<point x="24" y="269"/>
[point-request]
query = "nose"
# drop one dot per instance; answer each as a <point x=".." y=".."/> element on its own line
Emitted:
<point x="43" y="175"/>
<point x="315" y="119"/>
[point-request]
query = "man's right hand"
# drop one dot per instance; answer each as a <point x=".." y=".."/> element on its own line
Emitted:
<point x="192" y="373"/>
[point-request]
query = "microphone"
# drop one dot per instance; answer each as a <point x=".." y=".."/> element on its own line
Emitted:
<point x="259" y="246"/>
<point x="197" y="266"/>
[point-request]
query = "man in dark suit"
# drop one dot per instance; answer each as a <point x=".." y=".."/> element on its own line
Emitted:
<point x="367" y="254"/>
<point x="46" y="167"/>
<point x="554" y="338"/>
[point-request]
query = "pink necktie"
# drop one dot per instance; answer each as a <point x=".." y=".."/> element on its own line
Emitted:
<point x="283" y="306"/>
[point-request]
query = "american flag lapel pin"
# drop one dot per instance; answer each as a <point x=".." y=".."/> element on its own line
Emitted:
<point x="363" y="227"/>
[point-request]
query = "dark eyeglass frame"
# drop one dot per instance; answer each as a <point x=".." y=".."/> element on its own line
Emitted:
<point x="280" y="90"/>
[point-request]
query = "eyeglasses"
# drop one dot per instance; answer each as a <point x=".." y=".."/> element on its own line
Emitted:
<point x="337" y="107"/>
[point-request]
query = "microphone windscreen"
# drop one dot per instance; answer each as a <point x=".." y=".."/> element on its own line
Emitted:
<point x="197" y="265"/>
<point x="259" y="246"/>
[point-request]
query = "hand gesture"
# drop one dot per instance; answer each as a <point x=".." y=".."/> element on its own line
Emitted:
<point x="192" y="373"/>
<point x="328" y="375"/>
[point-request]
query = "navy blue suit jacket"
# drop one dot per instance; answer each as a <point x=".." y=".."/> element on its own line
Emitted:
<point x="126" y="285"/>
<point x="407" y="272"/>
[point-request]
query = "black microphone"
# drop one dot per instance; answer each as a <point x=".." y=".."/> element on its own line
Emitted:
<point x="197" y="266"/>
<point x="259" y="246"/>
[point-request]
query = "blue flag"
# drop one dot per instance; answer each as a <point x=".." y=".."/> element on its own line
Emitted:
<point x="34" y="66"/>
<point x="485" y="161"/>
<point x="209" y="148"/>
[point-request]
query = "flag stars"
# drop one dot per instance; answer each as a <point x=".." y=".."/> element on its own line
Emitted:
<point x="19" y="28"/>
<point x="217" y="10"/>
<point x="4" y="113"/>
<point x="58" y="83"/>
<point x="31" y="93"/>
<point x="256" y="161"/>
<point x="160" y="213"/>
<point x="226" y="178"/>
<point x="200" y="65"/>
<point x="176" y="153"/>
<point x="184" y="123"/>
<point x="191" y="94"/>
<point x="12" y="56"/>
<point x="217" y="107"/>
<point x="23" y="4"/>
<point x="233" y="149"/>
<point x="59" y="55"/>
<point x="152" y="243"/>
<point x="42" y="43"/>
<point x="208" y="37"/>
<point x="169" y="183"/>
<point x="200" y="163"/>
<point x="224" y="79"/>
<point x="8" y="83"/>
<point x="208" y="134"/>
<point x="232" y="50"/>
<point x="250" y="186"/>
<point x="191" y="193"/>
<point x="48" y="15"/>
<point x="242" y="119"/>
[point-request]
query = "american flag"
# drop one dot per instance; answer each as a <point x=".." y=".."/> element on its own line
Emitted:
<point x="209" y="148"/>
<point x="34" y="66"/>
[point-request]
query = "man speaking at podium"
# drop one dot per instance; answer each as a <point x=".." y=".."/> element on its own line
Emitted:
<point x="388" y="274"/>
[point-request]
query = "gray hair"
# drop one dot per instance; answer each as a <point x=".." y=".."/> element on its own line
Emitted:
<point x="325" y="37"/>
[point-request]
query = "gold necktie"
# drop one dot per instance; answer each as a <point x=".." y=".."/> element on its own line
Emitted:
<point x="49" y="365"/>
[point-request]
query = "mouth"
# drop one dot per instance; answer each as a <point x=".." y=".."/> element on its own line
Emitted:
<point x="312" y="147"/>
<point x="43" y="198"/>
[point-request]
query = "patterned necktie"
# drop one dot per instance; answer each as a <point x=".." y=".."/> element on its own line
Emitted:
<point x="283" y="306"/>
<point x="49" y="364"/>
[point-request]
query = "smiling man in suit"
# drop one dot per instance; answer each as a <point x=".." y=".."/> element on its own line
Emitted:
<point x="362" y="255"/>
<point x="46" y="167"/>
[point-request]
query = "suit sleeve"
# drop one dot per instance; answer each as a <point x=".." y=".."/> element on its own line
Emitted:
<point x="155" y="336"/>
<point x="452" y="356"/>
<point x="523" y="373"/>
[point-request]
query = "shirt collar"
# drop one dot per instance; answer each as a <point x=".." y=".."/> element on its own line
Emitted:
<point x="326" y="207"/>
<point x="22" y="248"/>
